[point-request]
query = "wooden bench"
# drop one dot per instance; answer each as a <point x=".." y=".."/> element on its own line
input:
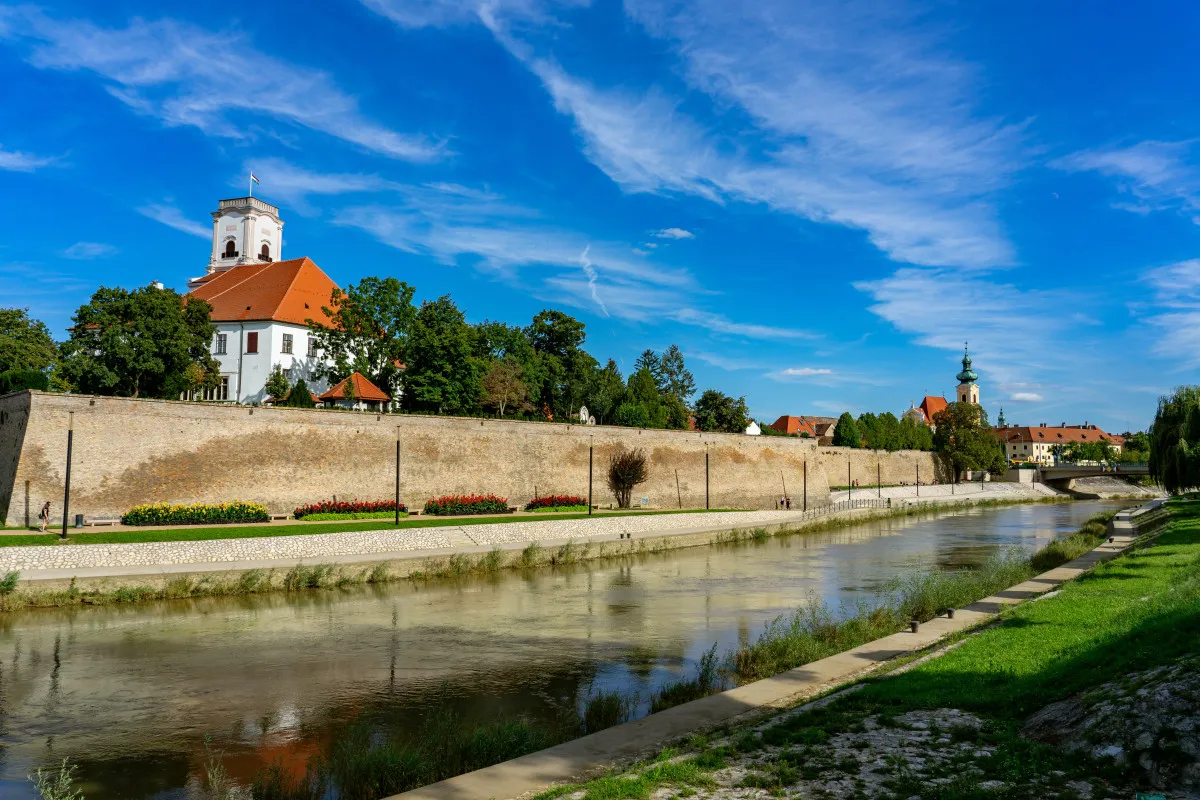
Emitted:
<point x="96" y="523"/>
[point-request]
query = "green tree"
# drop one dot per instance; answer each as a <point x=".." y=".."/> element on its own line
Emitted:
<point x="25" y="343"/>
<point x="368" y="333"/>
<point x="443" y="373"/>
<point x="846" y="433"/>
<point x="914" y="435"/>
<point x="632" y="415"/>
<point x="716" y="411"/>
<point x="643" y="391"/>
<point x="966" y="440"/>
<point x="1175" y="440"/>
<point x="677" y="380"/>
<point x="650" y="362"/>
<point x="138" y="343"/>
<point x="299" y="396"/>
<point x="503" y="387"/>
<point x="278" y="385"/>
<point x="605" y="392"/>
<point x="561" y="371"/>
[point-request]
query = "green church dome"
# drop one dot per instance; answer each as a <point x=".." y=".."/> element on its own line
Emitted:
<point x="967" y="375"/>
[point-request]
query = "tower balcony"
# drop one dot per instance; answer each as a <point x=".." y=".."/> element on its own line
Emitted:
<point x="248" y="202"/>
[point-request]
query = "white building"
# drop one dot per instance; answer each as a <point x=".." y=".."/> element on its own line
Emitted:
<point x="260" y="305"/>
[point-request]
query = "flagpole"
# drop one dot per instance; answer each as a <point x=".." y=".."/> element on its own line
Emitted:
<point x="252" y="183"/>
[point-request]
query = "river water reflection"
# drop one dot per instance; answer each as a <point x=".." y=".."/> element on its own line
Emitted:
<point x="130" y="693"/>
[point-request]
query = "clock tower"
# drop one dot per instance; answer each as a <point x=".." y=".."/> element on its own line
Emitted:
<point x="968" y="391"/>
<point x="245" y="231"/>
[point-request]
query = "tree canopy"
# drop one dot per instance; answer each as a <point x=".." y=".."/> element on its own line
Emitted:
<point x="965" y="439"/>
<point x="25" y="343"/>
<point x="846" y="434"/>
<point x="371" y="322"/>
<point x="1175" y="440"/>
<point x="138" y="343"/>
<point x="443" y="374"/>
<point x="716" y="411"/>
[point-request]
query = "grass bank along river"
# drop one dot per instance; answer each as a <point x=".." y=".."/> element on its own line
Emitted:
<point x="1089" y="693"/>
<point x="129" y="692"/>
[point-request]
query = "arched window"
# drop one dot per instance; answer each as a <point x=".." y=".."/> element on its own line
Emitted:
<point x="265" y="255"/>
<point x="230" y="249"/>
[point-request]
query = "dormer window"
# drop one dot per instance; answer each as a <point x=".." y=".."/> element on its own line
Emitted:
<point x="265" y="254"/>
<point x="230" y="250"/>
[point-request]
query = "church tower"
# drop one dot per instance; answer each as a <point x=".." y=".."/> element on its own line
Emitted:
<point x="245" y="231"/>
<point x="968" y="391"/>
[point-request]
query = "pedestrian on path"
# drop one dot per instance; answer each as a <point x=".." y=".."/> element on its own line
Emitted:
<point x="44" y="515"/>
<point x="789" y="503"/>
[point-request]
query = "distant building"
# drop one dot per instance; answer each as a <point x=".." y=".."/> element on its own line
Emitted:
<point x="1041" y="443"/>
<point x="260" y="305"/>
<point x="356" y="392"/>
<point x="967" y="391"/>
<point x="815" y="427"/>
<point x="753" y="430"/>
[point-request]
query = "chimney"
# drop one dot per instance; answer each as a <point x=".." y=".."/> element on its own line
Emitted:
<point x="1086" y="425"/>
<point x="1064" y="424"/>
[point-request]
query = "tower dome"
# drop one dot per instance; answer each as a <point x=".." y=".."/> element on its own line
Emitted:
<point x="967" y="375"/>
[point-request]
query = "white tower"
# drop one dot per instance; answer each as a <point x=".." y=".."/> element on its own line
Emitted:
<point x="245" y="231"/>
<point x="968" y="390"/>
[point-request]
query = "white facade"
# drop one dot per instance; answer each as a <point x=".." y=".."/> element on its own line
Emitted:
<point x="245" y="231"/>
<point x="249" y="351"/>
<point x="753" y="429"/>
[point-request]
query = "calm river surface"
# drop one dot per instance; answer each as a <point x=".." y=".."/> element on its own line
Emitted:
<point x="130" y="693"/>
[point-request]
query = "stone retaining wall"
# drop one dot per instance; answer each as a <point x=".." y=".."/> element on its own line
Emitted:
<point x="136" y="451"/>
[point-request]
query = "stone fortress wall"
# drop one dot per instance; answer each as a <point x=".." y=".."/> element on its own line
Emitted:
<point x="130" y="451"/>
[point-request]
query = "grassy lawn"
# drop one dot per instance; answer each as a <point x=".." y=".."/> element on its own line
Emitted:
<point x="257" y="531"/>
<point x="1137" y="612"/>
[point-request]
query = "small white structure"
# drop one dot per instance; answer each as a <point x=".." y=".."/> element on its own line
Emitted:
<point x="260" y="305"/>
<point x="753" y="430"/>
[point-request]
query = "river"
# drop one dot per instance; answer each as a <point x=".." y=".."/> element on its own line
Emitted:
<point x="131" y="693"/>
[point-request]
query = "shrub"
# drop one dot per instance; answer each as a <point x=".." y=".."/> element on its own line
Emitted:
<point x="354" y="506"/>
<point x="555" y="501"/>
<point x="626" y="470"/>
<point x="454" y="504"/>
<point x="196" y="513"/>
<point x="16" y="380"/>
<point x="299" y="397"/>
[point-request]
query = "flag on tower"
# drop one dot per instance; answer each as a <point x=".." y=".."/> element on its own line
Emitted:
<point x="254" y="179"/>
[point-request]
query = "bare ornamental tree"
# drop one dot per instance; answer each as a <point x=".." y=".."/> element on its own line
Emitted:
<point x="626" y="470"/>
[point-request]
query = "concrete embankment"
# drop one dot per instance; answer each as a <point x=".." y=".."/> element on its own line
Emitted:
<point x="600" y="752"/>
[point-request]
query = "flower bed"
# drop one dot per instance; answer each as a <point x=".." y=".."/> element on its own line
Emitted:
<point x="466" y="504"/>
<point x="556" y="502"/>
<point x="195" y="514"/>
<point x="349" y="508"/>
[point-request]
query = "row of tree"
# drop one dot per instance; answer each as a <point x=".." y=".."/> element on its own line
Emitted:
<point x="152" y="342"/>
<point x="882" y="432"/>
<point x="1175" y="440"/>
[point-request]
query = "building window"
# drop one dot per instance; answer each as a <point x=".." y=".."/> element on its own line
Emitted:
<point x="312" y="347"/>
<point x="287" y="344"/>
<point x="265" y="255"/>
<point x="230" y="250"/>
<point x="222" y="344"/>
<point x="220" y="392"/>
<point x="252" y="342"/>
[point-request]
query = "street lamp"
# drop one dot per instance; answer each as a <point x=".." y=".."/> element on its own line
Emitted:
<point x="397" y="476"/>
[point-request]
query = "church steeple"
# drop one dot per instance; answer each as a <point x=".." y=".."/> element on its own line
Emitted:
<point x="1001" y="422"/>
<point x="246" y="230"/>
<point x="967" y="392"/>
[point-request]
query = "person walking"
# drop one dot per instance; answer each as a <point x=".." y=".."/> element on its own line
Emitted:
<point x="44" y="516"/>
<point x="789" y="503"/>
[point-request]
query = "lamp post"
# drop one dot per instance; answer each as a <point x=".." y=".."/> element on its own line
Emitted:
<point x="849" y="487"/>
<point x="67" y="486"/>
<point x="805" y="486"/>
<point x="397" y="476"/>
<point x="878" y="480"/>
<point x="706" y="495"/>
<point x="591" y="445"/>
<point x="918" y="480"/>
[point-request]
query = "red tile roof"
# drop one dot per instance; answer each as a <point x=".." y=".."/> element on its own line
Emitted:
<point x="931" y="405"/>
<point x="1055" y="435"/>
<point x="284" y="291"/>
<point x="363" y="390"/>
<point x="794" y="426"/>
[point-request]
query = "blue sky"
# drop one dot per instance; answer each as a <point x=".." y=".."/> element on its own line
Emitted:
<point x="818" y="201"/>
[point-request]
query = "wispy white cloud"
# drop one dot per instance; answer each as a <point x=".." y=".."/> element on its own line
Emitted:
<point x="84" y="251"/>
<point x="721" y="324"/>
<point x="1175" y="316"/>
<point x="1157" y="175"/>
<point x="857" y="118"/>
<point x="802" y="372"/>
<point x="1025" y="397"/>
<point x="445" y="13"/>
<point x="216" y="81"/>
<point x="172" y="217"/>
<point x="592" y="276"/>
<point x="674" y="233"/>
<point x="17" y="161"/>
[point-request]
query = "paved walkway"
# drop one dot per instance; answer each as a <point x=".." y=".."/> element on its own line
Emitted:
<point x="50" y="562"/>
<point x="623" y="744"/>
<point x="945" y="492"/>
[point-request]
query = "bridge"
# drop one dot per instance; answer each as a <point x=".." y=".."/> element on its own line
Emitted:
<point x="1063" y="472"/>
